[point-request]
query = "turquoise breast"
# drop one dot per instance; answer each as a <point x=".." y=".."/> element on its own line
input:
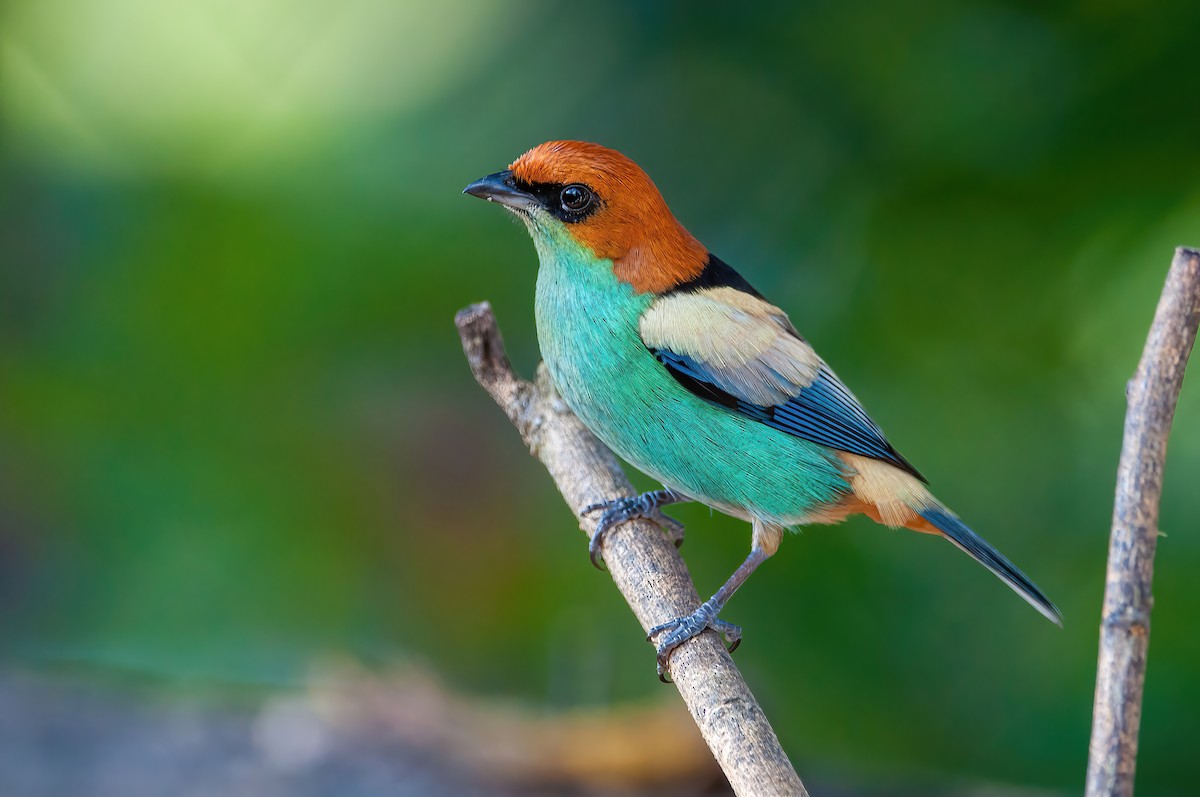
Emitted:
<point x="587" y="324"/>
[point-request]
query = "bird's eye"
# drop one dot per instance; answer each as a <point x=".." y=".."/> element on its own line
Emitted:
<point x="575" y="198"/>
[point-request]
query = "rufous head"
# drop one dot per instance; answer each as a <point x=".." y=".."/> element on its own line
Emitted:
<point x="606" y="203"/>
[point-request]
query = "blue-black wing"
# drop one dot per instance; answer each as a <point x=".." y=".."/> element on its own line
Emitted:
<point x="723" y="341"/>
<point x="825" y="412"/>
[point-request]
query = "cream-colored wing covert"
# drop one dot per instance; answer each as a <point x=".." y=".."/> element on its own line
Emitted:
<point x="739" y="351"/>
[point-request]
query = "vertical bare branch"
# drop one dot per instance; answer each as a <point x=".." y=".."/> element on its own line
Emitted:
<point x="644" y="564"/>
<point x="1125" y="625"/>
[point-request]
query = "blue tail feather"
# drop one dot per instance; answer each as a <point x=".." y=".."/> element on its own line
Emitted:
<point x="981" y="551"/>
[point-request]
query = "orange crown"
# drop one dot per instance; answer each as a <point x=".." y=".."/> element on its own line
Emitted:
<point x="633" y="227"/>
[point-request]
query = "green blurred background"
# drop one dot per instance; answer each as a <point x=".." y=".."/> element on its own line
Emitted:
<point x="237" y="433"/>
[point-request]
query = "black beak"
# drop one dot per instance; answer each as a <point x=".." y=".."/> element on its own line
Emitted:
<point x="501" y="187"/>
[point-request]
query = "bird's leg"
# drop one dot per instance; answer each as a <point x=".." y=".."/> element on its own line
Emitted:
<point x="681" y="629"/>
<point x="646" y="506"/>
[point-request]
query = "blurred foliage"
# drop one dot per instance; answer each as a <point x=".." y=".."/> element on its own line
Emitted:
<point x="236" y="431"/>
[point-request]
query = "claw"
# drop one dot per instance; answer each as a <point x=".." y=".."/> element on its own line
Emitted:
<point x="681" y="629"/>
<point x="620" y="510"/>
<point x="590" y="508"/>
<point x="594" y="551"/>
<point x="670" y="526"/>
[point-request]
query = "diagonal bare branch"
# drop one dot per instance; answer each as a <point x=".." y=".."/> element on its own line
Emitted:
<point x="644" y="564"/>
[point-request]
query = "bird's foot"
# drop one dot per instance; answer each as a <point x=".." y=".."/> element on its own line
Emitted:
<point x="681" y="629"/>
<point x="620" y="510"/>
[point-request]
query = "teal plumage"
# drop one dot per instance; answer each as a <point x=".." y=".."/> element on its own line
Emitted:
<point x="673" y="359"/>
<point x="587" y="325"/>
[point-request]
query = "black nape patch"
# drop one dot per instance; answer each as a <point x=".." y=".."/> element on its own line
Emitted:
<point x="548" y="195"/>
<point x="716" y="274"/>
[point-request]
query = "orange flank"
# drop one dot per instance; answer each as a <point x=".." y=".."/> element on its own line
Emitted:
<point x="649" y="248"/>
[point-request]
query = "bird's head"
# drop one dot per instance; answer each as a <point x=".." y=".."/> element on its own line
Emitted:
<point x="573" y="191"/>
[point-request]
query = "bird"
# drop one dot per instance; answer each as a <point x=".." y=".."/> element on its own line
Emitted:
<point x="674" y="360"/>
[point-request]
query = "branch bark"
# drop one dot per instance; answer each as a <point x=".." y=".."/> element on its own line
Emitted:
<point x="643" y="562"/>
<point x="1125" y="623"/>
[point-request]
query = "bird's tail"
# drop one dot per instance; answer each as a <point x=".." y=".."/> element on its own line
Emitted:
<point x="981" y="551"/>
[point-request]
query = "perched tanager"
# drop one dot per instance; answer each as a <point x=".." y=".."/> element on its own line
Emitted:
<point x="687" y="372"/>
